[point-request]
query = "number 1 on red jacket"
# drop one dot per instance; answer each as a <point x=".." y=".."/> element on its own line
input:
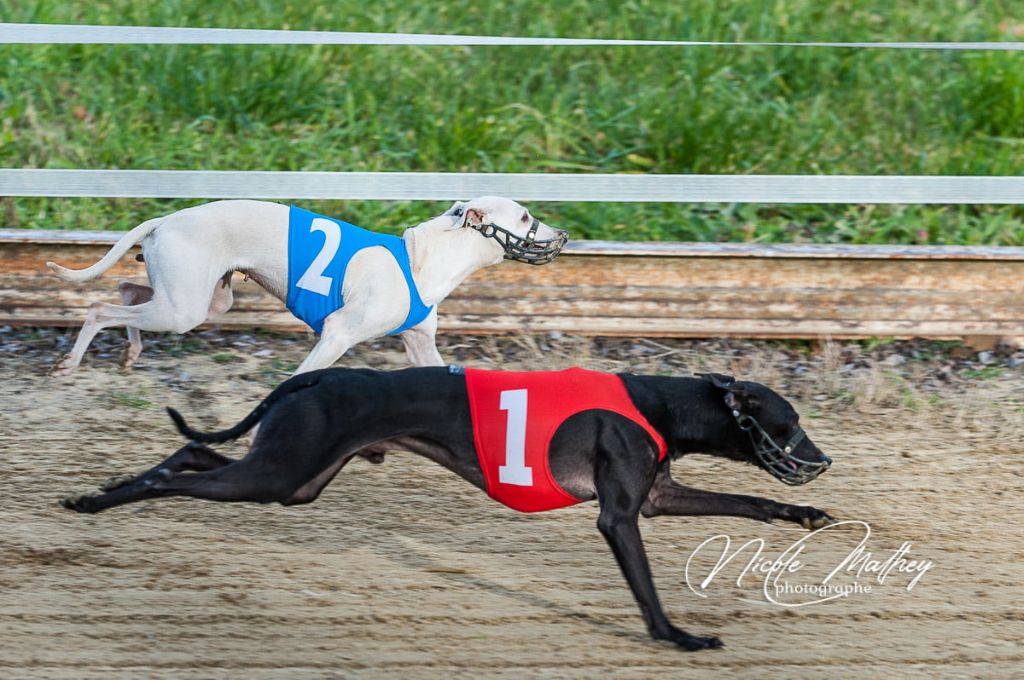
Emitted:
<point x="514" y="471"/>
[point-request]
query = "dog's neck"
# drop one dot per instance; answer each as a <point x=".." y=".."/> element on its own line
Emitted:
<point x="441" y="257"/>
<point x="689" y="413"/>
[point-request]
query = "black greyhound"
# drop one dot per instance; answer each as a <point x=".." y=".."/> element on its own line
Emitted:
<point x="315" y="423"/>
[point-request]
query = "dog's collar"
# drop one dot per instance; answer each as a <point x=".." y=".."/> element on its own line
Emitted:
<point x="528" y="249"/>
<point x="779" y="460"/>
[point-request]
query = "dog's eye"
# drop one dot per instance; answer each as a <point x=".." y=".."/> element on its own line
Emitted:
<point x="526" y="217"/>
<point x="457" y="211"/>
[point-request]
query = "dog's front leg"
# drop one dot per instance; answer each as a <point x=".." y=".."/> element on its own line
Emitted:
<point x="362" y="318"/>
<point x="327" y="350"/>
<point x="421" y="344"/>
<point x="621" y="491"/>
<point x="346" y="327"/>
<point x="666" y="497"/>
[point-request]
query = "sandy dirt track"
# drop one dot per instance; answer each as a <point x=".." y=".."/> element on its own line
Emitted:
<point x="404" y="570"/>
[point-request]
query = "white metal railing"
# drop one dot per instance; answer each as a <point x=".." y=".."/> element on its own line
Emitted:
<point x="446" y="186"/>
<point x="917" y="189"/>
<point x="169" y="35"/>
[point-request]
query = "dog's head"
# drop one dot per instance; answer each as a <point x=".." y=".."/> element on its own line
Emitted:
<point x="508" y="229"/>
<point x="767" y="431"/>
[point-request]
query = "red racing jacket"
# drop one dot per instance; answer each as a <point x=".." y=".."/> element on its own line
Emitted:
<point x="515" y="416"/>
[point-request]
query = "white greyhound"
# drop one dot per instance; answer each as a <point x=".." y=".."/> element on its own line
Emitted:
<point x="192" y="254"/>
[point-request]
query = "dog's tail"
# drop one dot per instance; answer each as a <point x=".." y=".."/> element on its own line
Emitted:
<point x="299" y="382"/>
<point x="113" y="255"/>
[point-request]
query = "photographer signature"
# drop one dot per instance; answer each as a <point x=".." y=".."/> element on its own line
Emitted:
<point x="787" y="577"/>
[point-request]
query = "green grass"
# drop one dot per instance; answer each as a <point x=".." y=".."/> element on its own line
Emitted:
<point x="651" y="110"/>
<point x="129" y="400"/>
<point x="225" y="358"/>
<point x="985" y="372"/>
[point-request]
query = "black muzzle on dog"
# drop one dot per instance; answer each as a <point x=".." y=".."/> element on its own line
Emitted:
<point x="779" y="460"/>
<point x="525" y="249"/>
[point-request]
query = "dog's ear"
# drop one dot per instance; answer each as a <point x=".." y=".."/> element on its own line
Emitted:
<point x="472" y="218"/>
<point x="739" y="398"/>
<point x="718" y="380"/>
<point x="464" y="215"/>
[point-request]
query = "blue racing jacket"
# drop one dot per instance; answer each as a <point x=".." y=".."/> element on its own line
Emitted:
<point x="319" y="250"/>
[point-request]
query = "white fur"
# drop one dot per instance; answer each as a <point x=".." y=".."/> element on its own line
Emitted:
<point x="191" y="254"/>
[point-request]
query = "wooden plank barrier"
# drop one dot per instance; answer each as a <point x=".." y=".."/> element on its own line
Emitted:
<point x="609" y="288"/>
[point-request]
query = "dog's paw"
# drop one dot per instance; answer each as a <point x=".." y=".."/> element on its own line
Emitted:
<point x="115" y="482"/>
<point x="804" y="515"/>
<point x="80" y="502"/>
<point x="64" y="367"/>
<point x="690" y="643"/>
<point x="128" y="357"/>
<point x="813" y="518"/>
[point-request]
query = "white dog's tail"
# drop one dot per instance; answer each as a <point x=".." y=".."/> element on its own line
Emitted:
<point x="122" y="246"/>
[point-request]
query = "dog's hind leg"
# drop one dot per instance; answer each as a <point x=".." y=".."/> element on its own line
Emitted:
<point x="188" y="308"/>
<point x="621" y="490"/>
<point x="236" y="482"/>
<point x="155" y="315"/>
<point x="666" y="497"/>
<point x="133" y="294"/>
<point x="282" y="462"/>
<point x="101" y="315"/>
<point x="191" y="457"/>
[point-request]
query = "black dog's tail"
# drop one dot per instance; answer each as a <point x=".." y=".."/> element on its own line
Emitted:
<point x="217" y="437"/>
<point x="289" y="386"/>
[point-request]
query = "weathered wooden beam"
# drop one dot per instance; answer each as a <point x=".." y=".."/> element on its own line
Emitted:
<point x="606" y="288"/>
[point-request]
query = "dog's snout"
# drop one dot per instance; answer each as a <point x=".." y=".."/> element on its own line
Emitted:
<point x="826" y="460"/>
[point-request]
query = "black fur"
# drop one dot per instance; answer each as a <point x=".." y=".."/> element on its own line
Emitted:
<point x="314" y="423"/>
